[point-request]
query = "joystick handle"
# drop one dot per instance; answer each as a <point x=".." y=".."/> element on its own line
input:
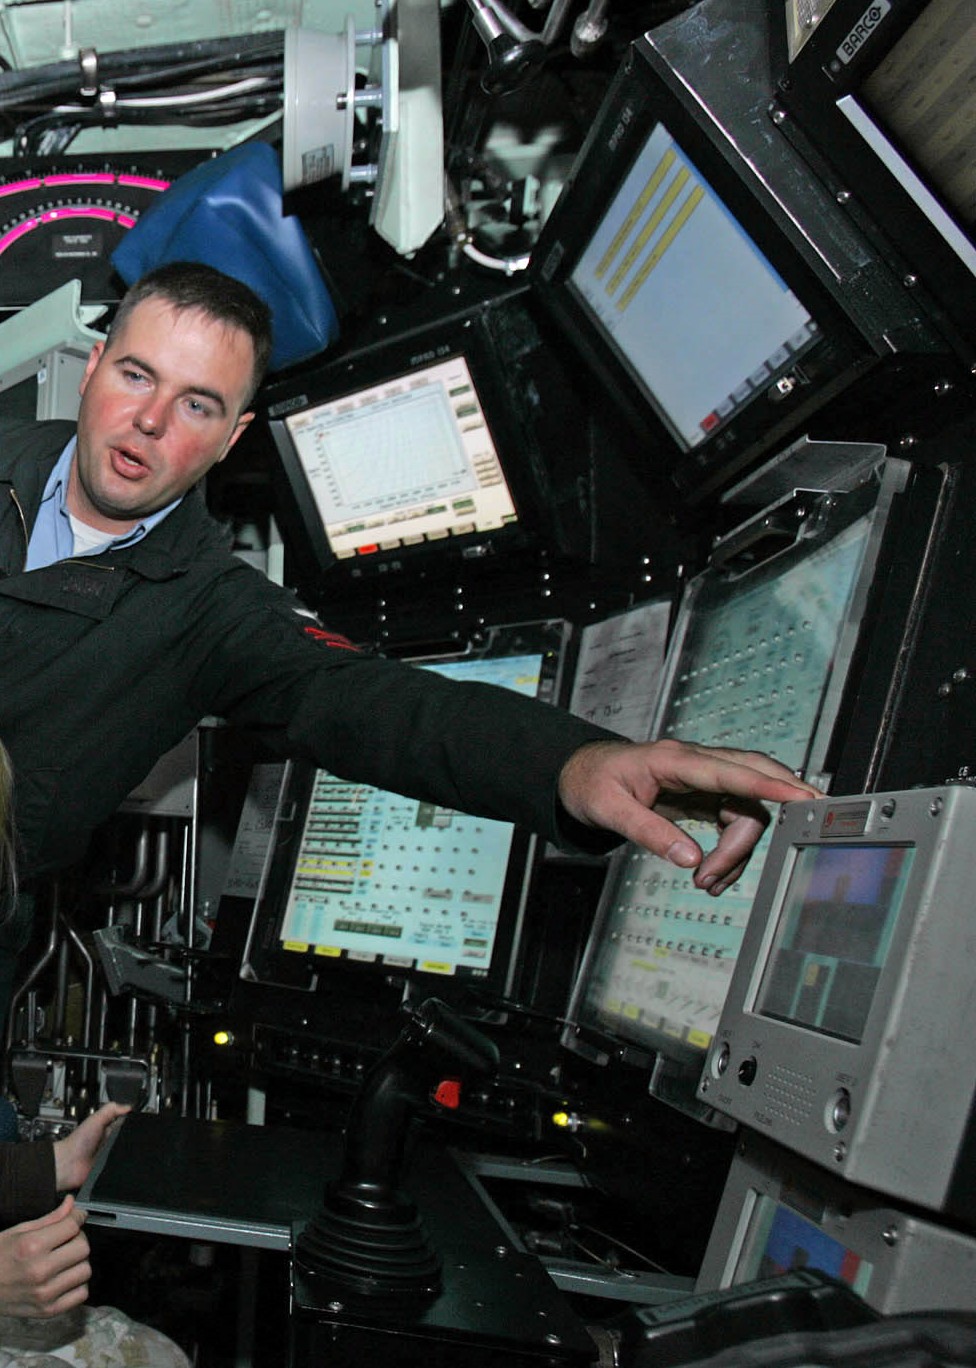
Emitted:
<point x="435" y="1044"/>
<point x="368" y="1238"/>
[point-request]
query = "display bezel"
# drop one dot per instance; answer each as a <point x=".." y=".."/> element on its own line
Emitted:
<point x="671" y="1058"/>
<point x="852" y="1106"/>
<point x="442" y="428"/>
<point x="388" y="362"/>
<point x="743" y="324"/>
<point x="823" y="109"/>
<point x="638" y="100"/>
<point x="265" y="958"/>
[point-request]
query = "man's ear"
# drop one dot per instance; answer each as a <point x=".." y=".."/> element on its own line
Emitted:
<point x="239" y="427"/>
<point x="94" y="356"/>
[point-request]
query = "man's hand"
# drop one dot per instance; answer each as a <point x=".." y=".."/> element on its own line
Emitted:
<point x="635" y="789"/>
<point x="75" y="1154"/>
<point x="44" y="1266"/>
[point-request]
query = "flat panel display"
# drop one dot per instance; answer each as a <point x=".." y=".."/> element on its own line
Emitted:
<point x="779" y="1213"/>
<point x="913" y="92"/>
<point x="424" y="448"/>
<point x="403" y="462"/>
<point x="667" y="248"/>
<point x="685" y="260"/>
<point x="380" y="877"/>
<point x="782" y="1240"/>
<point x="839" y="915"/>
<point x="882" y="93"/>
<point x="359" y="879"/>
<point x="752" y="665"/>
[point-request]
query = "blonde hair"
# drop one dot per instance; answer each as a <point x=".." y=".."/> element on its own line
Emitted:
<point x="7" y="863"/>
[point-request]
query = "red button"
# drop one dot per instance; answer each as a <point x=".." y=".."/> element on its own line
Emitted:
<point x="448" y="1093"/>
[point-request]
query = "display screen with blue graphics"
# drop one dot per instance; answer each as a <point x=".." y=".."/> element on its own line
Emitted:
<point x="699" y="316"/>
<point x="380" y="877"/>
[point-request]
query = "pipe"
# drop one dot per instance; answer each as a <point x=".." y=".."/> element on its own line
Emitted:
<point x="45" y="959"/>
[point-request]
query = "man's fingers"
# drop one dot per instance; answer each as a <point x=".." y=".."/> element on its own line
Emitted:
<point x="726" y="863"/>
<point x="635" y="790"/>
<point x="685" y="766"/>
<point x="649" y="828"/>
<point x="741" y="824"/>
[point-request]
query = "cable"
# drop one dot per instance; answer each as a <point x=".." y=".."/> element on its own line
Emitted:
<point x="502" y="1004"/>
<point x="178" y="98"/>
<point x="154" y="65"/>
<point x="510" y="265"/>
<point x="617" y="1243"/>
<point x="199" y="105"/>
<point x="147" y="67"/>
<point x="28" y="136"/>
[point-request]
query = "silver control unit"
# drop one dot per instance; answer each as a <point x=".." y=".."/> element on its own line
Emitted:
<point x="847" y="1033"/>
<point x="779" y="1213"/>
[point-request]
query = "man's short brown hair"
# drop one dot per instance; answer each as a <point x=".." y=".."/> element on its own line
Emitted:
<point x="186" y="285"/>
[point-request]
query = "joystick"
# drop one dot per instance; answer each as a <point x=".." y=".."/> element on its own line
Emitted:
<point x="368" y="1237"/>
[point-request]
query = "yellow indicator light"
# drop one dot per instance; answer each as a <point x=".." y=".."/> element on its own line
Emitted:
<point x="223" y="1038"/>
<point x="572" y="1121"/>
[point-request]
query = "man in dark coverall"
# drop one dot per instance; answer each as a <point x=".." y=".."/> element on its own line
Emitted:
<point x="125" y="618"/>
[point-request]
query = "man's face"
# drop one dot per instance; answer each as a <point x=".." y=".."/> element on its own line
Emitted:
<point x="161" y="403"/>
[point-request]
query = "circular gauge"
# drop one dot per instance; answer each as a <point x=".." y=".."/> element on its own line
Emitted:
<point x="62" y="220"/>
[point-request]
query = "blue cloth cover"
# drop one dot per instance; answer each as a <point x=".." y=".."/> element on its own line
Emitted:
<point x="227" y="213"/>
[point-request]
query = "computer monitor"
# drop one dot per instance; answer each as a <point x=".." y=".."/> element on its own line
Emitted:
<point x="779" y="1213"/>
<point x="403" y="462"/>
<point x="676" y="262"/>
<point x="667" y="247"/>
<point x="846" y="1032"/>
<point x="876" y="95"/>
<point x="759" y="660"/>
<point x="362" y="882"/>
<point x="408" y="452"/>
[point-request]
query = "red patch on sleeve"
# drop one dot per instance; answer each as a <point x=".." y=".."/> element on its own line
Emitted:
<point x="329" y="638"/>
